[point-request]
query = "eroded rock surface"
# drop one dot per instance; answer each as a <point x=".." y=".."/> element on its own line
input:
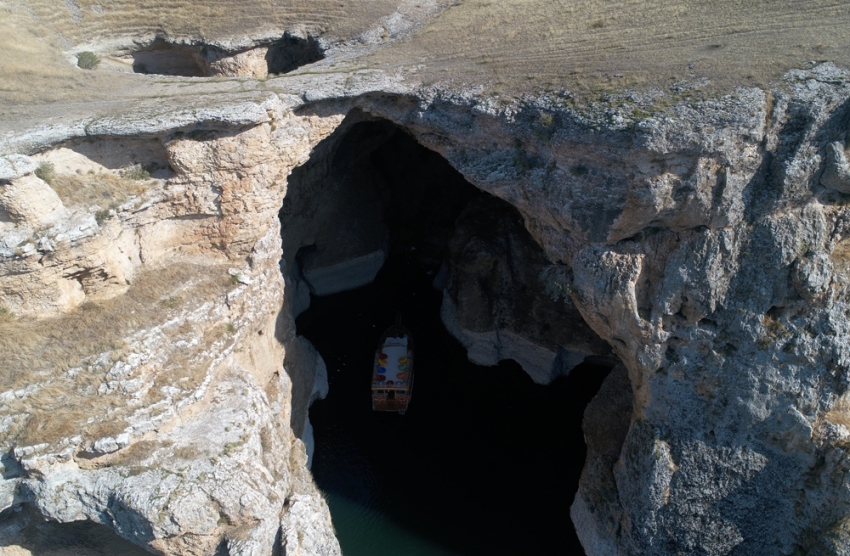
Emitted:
<point x="200" y="451"/>
<point x="501" y="303"/>
<point x="689" y="237"/>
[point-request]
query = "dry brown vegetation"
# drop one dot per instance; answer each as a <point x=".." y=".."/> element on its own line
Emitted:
<point x="535" y="45"/>
<point x="509" y="46"/>
<point x="102" y="189"/>
<point x="840" y="413"/>
<point x="33" y="34"/>
<point x="41" y="352"/>
<point x="213" y="19"/>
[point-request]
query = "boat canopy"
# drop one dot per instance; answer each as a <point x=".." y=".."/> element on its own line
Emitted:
<point x="392" y="372"/>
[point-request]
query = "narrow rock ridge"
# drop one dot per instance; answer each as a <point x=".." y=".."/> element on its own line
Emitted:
<point x="708" y="245"/>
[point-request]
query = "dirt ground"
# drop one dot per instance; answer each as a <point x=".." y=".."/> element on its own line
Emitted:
<point x="35" y="36"/>
<point x="600" y="45"/>
<point x="508" y="46"/>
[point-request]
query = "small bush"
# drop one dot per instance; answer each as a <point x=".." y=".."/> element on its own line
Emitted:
<point x="101" y="216"/>
<point x="136" y="172"/>
<point x="521" y="161"/>
<point x="544" y="127"/>
<point x="87" y="60"/>
<point x="46" y="171"/>
<point x="6" y="314"/>
<point x="171" y="302"/>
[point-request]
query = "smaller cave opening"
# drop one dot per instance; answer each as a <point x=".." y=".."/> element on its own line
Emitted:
<point x="290" y="53"/>
<point x="186" y="60"/>
<point x="165" y="58"/>
<point x="25" y="531"/>
<point x="375" y="223"/>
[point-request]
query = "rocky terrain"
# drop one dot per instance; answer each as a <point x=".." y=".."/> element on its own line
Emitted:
<point x="160" y="230"/>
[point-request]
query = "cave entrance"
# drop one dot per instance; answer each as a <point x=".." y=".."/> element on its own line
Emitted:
<point x="282" y="56"/>
<point x="373" y="224"/>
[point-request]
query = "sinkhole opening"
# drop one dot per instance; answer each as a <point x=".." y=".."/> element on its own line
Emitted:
<point x="488" y="456"/>
<point x="282" y="56"/>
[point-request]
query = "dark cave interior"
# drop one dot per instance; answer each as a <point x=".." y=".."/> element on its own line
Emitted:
<point x="485" y="460"/>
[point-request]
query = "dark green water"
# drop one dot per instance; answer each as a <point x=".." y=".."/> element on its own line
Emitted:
<point x="484" y="462"/>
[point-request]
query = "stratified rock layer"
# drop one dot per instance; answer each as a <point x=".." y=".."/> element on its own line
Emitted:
<point x="201" y="450"/>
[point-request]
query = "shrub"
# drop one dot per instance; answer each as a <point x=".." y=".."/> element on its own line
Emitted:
<point x="87" y="60"/>
<point x="171" y="302"/>
<point x="102" y="216"/>
<point x="6" y="314"/>
<point x="136" y="172"/>
<point x="46" y="171"/>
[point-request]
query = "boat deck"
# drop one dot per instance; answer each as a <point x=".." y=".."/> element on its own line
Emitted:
<point x="392" y="375"/>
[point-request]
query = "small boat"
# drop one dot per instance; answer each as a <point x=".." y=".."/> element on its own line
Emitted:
<point x="392" y="375"/>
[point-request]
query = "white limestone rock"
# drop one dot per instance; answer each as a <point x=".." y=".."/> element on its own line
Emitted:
<point x="31" y="202"/>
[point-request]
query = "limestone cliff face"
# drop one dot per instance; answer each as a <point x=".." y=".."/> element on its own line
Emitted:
<point x="200" y="450"/>
<point x="707" y="245"/>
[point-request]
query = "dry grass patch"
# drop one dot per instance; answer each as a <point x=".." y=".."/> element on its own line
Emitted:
<point x="6" y="315"/>
<point x="518" y="46"/>
<point x="33" y="34"/>
<point x="102" y="189"/>
<point x="840" y="259"/>
<point x="187" y="368"/>
<point x="41" y="352"/>
<point x="840" y="412"/>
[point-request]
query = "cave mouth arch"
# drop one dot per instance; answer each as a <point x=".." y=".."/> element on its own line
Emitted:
<point x="374" y="222"/>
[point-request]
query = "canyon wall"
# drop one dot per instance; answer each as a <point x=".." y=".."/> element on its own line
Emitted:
<point x="157" y="385"/>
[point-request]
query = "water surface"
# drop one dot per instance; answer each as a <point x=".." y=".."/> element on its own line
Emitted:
<point x="484" y="462"/>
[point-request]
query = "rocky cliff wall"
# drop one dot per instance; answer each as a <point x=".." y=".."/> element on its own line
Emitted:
<point x="180" y="433"/>
<point x="706" y="245"/>
<point x="705" y="242"/>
